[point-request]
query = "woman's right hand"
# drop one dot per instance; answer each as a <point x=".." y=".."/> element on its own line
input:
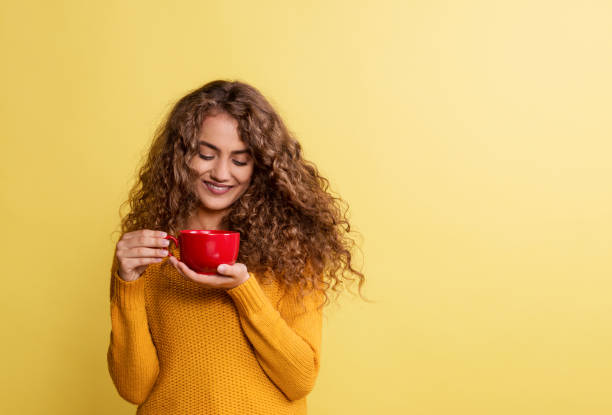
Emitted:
<point x="137" y="250"/>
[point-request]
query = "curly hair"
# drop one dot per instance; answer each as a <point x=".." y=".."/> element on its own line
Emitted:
<point x="292" y="228"/>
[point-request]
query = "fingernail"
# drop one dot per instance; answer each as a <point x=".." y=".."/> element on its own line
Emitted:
<point x="164" y="234"/>
<point x="222" y="267"/>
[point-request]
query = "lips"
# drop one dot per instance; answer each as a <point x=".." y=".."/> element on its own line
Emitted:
<point x="217" y="184"/>
<point x="216" y="189"/>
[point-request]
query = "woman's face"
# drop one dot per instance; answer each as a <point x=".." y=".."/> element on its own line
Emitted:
<point x="224" y="164"/>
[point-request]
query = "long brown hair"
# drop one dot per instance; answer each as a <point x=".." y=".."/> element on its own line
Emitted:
<point x="291" y="226"/>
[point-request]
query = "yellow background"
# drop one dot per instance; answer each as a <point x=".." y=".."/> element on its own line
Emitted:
<point x="471" y="139"/>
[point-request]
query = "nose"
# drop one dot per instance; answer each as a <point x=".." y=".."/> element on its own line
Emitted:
<point x="220" y="171"/>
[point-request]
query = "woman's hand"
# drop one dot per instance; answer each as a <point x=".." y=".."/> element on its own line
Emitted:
<point x="228" y="277"/>
<point x="137" y="250"/>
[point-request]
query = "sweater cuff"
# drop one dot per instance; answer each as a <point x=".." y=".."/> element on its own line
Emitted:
<point x="248" y="296"/>
<point x="129" y="294"/>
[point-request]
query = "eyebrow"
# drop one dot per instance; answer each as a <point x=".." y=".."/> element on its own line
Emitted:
<point x="204" y="143"/>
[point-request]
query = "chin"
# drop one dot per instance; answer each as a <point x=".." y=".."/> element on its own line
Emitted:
<point x="212" y="204"/>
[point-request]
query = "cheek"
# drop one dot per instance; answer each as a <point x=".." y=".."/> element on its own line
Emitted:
<point x="245" y="176"/>
<point x="197" y="164"/>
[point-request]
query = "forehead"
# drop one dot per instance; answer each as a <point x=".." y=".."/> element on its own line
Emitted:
<point x="220" y="132"/>
<point x="219" y="126"/>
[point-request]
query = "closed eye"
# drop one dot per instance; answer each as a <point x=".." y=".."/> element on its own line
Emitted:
<point x="236" y="162"/>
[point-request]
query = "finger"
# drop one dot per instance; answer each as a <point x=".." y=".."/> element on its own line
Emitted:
<point x="234" y="270"/>
<point x="142" y="252"/>
<point x="215" y="281"/>
<point x="132" y="263"/>
<point x="144" y="232"/>
<point x="146" y="241"/>
<point x="187" y="272"/>
<point x="181" y="268"/>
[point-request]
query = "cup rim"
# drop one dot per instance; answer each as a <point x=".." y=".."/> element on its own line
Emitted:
<point x="207" y="232"/>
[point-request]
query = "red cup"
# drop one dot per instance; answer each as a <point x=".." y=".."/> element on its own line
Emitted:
<point x="204" y="250"/>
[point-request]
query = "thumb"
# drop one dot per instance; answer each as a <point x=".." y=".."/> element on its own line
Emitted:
<point x="233" y="270"/>
<point x="225" y="269"/>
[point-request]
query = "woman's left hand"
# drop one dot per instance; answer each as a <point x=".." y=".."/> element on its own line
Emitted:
<point x="228" y="277"/>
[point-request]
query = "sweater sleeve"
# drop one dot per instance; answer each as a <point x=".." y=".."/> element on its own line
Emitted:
<point x="132" y="357"/>
<point x="287" y="346"/>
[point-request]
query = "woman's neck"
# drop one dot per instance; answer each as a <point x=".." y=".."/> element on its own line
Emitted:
<point x="204" y="219"/>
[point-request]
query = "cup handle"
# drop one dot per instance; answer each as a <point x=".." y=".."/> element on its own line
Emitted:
<point x="173" y="239"/>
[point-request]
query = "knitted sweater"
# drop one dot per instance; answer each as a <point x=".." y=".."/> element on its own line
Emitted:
<point x="177" y="347"/>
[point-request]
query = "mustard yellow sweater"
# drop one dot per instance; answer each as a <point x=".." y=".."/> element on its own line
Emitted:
<point x="177" y="347"/>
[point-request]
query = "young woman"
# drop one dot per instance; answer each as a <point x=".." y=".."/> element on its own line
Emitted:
<point x="247" y="340"/>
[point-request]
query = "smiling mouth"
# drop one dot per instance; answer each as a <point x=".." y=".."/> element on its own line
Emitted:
<point x="217" y="189"/>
